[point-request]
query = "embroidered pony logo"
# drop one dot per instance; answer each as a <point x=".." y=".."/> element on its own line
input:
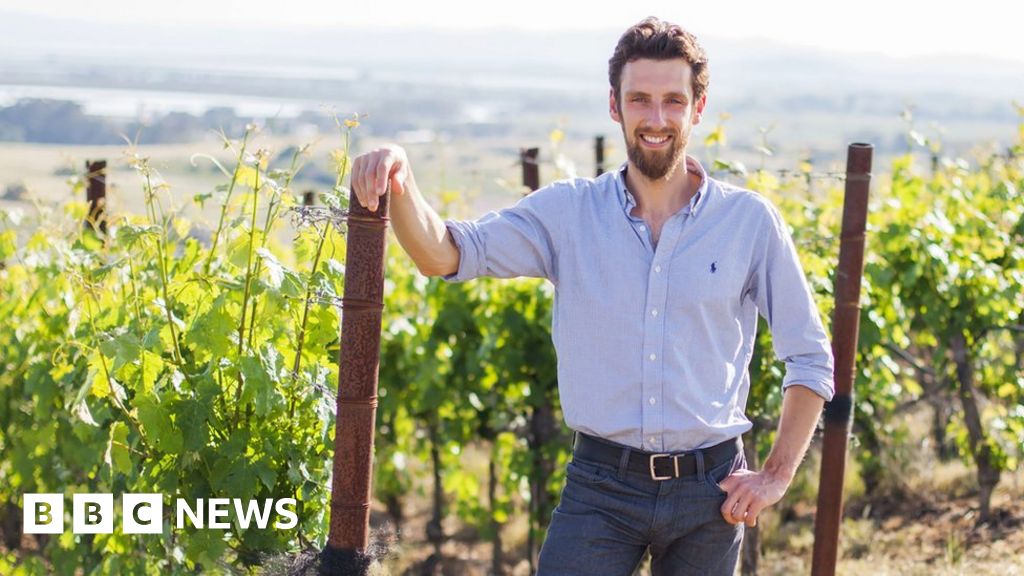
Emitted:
<point x="714" y="267"/>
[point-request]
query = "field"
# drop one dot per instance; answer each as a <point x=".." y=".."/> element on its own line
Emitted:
<point x="459" y="397"/>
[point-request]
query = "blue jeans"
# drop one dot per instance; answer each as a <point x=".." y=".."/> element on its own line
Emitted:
<point x="608" y="516"/>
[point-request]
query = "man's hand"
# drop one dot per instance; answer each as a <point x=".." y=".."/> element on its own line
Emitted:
<point x="419" y="229"/>
<point x="374" y="171"/>
<point x="750" y="493"/>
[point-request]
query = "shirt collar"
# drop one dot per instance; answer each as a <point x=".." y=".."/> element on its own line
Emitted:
<point x="628" y="201"/>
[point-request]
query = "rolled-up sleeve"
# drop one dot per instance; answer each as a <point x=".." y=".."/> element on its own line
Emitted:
<point x="516" y="241"/>
<point x="784" y="299"/>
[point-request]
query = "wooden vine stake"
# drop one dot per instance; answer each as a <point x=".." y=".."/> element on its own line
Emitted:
<point x="347" y="551"/>
<point x="846" y="320"/>
<point x="96" y="195"/>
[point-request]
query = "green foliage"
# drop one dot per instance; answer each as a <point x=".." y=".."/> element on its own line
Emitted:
<point x="951" y="244"/>
<point x="472" y="360"/>
<point x="148" y="361"/>
<point x="943" y="256"/>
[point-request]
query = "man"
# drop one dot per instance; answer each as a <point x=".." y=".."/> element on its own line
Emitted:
<point x="659" y="274"/>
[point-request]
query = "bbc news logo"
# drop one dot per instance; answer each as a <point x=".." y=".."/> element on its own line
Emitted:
<point x="143" y="513"/>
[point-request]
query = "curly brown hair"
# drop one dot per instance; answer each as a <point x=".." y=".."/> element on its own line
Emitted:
<point x="659" y="40"/>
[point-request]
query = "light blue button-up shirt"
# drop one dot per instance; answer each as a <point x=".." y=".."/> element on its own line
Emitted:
<point x="653" y="343"/>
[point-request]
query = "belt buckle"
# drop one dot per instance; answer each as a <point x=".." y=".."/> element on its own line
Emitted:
<point x="675" y="461"/>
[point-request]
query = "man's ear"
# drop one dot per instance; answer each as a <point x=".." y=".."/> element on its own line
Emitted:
<point x="613" y="106"/>
<point x="698" y="110"/>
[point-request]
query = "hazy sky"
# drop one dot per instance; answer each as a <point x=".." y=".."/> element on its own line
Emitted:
<point x="896" y="27"/>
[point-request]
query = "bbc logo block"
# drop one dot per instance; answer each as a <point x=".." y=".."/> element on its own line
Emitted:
<point x="142" y="513"/>
<point x="44" y="514"/>
<point x="93" y="513"/>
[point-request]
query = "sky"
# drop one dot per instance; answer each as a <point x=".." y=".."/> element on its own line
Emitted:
<point x="895" y="27"/>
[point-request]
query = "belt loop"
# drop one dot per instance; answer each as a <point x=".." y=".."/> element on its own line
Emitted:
<point x="700" y="465"/>
<point x="624" y="463"/>
<point x="575" y="434"/>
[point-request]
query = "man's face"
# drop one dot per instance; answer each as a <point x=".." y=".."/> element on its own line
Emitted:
<point x="657" y="113"/>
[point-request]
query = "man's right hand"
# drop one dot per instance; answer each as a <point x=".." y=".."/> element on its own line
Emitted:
<point x="374" y="171"/>
<point x="420" y="231"/>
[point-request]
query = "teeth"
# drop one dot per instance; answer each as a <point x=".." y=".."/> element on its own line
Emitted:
<point x="654" y="139"/>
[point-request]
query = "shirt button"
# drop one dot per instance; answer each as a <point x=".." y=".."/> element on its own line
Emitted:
<point x="653" y="401"/>
<point x="653" y="441"/>
<point x="652" y="356"/>
<point x="657" y="268"/>
<point x="642" y="227"/>
<point x="654" y="312"/>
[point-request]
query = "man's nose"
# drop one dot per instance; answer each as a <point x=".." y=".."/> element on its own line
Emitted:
<point x="657" y="117"/>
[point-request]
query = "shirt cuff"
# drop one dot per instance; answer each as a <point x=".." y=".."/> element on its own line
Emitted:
<point x="466" y="237"/>
<point x="824" y="388"/>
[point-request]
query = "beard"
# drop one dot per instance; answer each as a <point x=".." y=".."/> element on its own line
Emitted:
<point x="655" y="164"/>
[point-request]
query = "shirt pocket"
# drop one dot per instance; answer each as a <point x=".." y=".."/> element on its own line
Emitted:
<point x="707" y="283"/>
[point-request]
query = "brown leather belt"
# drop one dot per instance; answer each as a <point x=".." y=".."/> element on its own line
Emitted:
<point x="660" y="466"/>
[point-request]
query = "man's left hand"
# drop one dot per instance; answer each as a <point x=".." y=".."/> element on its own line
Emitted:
<point x="749" y="494"/>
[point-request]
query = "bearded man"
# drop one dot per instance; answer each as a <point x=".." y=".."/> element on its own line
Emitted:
<point x="660" y="273"/>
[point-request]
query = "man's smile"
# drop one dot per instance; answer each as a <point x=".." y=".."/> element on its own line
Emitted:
<point x="655" y="141"/>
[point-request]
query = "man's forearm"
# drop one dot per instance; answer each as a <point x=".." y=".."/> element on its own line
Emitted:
<point x="419" y="229"/>
<point x="422" y="233"/>
<point x="750" y="492"/>
<point x="801" y="408"/>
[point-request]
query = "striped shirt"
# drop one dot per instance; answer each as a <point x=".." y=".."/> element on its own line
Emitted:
<point x="654" y="342"/>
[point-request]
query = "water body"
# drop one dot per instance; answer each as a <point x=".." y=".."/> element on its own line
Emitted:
<point x="143" y="104"/>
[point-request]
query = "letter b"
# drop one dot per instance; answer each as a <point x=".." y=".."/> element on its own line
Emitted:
<point x="92" y="514"/>
<point x="43" y="514"/>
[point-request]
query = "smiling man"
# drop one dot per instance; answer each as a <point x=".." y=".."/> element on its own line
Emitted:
<point x="660" y="273"/>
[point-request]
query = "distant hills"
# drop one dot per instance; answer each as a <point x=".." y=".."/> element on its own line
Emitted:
<point x="582" y="54"/>
<point x="509" y="74"/>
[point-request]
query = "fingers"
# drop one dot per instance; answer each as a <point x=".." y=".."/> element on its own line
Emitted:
<point x="729" y="508"/>
<point x="738" y="509"/>
<point x="397" y="186"/>
<point x="727" y="483"/>
<point x="743" y="505"/>
<point x="752" y="513"/>
<point x="743" y="512"/>
<point x="370" y="181"/>
<point x="362" y="179"/>
<point x="374" y="171"/>
<point x="382" y="174"/>
<point x="748" y="494"/>
<point x="357" y="171"/>
<point x="359" y="179"/>
<point x="738" y="505"/>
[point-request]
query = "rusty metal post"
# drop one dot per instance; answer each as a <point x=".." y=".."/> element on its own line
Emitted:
<point x="347" y="550"/>
<point x="96" y="194"/>
<point x="531" y="170"/>
<point x="308" y="198"/>
<point x="846" y="320"/>
<point x="599" y="154"/>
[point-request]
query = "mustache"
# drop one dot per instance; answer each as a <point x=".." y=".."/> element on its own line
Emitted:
<point x="666" y="132"/>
